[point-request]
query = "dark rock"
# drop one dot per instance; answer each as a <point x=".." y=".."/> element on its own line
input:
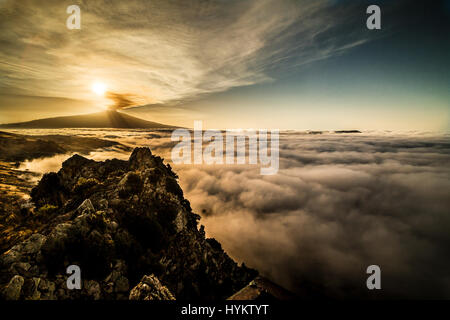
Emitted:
<point x="262" y="289"/>
<point x="119" y="221"/>
<point x="93" y="289"/>
<point x="13" y="289"/>
<point x="141" y="158"/>
<point x="150" y="288"/>
<point x="86" y="207"/>
<point x="49" y="191"/>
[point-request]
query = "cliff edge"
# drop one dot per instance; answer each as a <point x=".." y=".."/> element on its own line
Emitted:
<point x="128" y="227"/>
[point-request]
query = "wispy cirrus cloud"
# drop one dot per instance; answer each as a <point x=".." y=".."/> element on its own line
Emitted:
<point x="163" y="51"/>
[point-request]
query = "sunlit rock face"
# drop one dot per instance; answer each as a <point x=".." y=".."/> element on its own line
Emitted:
<point x="127" y="225"/>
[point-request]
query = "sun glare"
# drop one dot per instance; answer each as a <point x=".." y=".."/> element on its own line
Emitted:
<point x="99" y="88"/>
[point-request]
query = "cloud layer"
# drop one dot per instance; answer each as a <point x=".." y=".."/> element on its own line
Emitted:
<point x="338" y="204"/>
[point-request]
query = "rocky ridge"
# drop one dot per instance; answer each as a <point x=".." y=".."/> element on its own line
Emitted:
<point x="127" y="225"/>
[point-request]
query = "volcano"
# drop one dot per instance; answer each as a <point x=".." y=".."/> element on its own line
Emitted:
<point x="105" y="119"/>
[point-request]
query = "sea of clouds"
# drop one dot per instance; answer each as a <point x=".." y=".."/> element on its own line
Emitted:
<point x="339" y="203"/>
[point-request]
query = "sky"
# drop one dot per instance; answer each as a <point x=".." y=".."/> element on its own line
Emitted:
<point x="286" y="64"/>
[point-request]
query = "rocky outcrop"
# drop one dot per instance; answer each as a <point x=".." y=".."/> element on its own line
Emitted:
<point x="150" y="289"/>
<point x="128" y="227"/>
<point x="262" y="289"/>
<point x="13" y="289"/>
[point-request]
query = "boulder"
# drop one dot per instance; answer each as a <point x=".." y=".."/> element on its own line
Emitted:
<point x="86" y="207"/>
<point x="150" y="288"/>
<point x="14" y="288"/>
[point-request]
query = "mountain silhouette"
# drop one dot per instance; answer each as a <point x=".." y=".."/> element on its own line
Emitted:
<point x="104" y="119"/>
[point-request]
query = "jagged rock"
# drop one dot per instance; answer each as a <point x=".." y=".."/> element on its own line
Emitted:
<point x="150" y="288"/>
<point x="141" y="158"/>
<point x="122" y="284"/>
<point x="93" y="289"/>
<point x="20" y="268"/>
<point x="130" y="184"/>
<point x="262" y="288"/>
<point x="33" y="244"/>
<point x="50" y="191"/>
<point x="30" y="289"/>
<point x="48" y="291"/>
<point x="14" y="288"/>
<point x="11" y="256"/>
<point x="103" y="204"/>
<point x="86" y="207"/>
<point x="118" y="221"/>
<point x="29" y="248"/>
<point x="43" y="285"/>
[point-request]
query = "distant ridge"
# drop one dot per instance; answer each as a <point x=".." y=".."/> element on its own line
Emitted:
<point x="347" y="131"/>
<point x="104" y="119"/>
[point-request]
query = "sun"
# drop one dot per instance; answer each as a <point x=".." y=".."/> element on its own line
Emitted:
<point x="98" y="88"/>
